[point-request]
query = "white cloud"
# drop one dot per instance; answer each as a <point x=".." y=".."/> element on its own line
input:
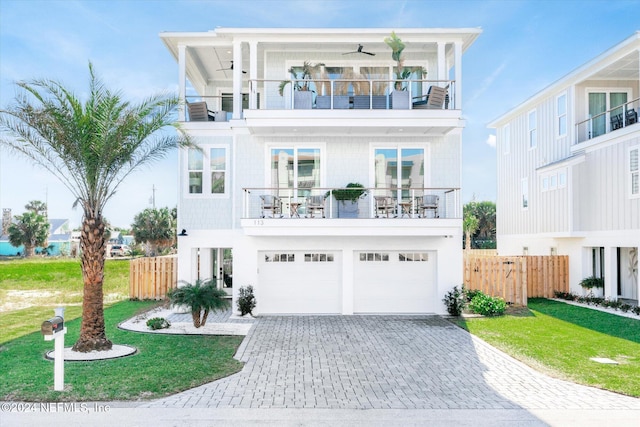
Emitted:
<point x="491" y="141"/>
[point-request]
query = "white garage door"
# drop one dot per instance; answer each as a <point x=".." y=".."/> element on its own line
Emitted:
<point x="395" y="282"/>
<point x="300" y="282"/>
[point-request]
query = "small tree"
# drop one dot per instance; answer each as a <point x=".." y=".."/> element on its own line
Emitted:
<point x="201" y="297"/>
<point x="30" y="230"/>
<point x="246" y="300"/>
<point x="470" y="225"/>
<point x="157" y="227"/>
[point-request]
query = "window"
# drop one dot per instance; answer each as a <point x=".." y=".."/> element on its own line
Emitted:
<point x="533" y="129"/>
<point x="373" y="256"/>
<point x="545" y="183"/>
<point x="525" y="193"/>
<point x="634" y="172"/>
<point x="554" y="180"/>
<point x="600" y="102"/>
<point x="561" y="114"/>
<point x="506" y="139"/>
<point x="413" y="256"/>
<point x="279" y="257"/>
<point x="318" y="257"/>
<point x="207" y="170"/>
<point x="296" y="169"/>
<point x="398" y="169"/>
<point x="562" y="179"/>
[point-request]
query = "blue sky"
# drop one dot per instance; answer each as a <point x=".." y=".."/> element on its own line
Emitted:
<point x="525" y="46"/>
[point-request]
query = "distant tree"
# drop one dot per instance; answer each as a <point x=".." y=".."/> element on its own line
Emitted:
<point x="485" y="213"/>
<point x="37" y="207"/>
<point x="91" y="145"/>
<point x="156" y="227"/>
<point x="469" y="226"/>
<point x="31" y="230"/>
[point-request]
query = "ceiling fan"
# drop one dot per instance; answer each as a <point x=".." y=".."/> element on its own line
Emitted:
<point x="230" y="68"/>
<point x="359" y="50"/>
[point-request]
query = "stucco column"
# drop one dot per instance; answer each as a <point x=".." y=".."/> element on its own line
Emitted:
<point x="182" y="80"/>
<point x="237" y="79"/>
<point x="442" y="62"/>
<point x="206" y="264"/>
<point x="610" y="272"/>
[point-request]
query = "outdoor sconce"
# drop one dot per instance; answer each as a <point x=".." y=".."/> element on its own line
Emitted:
<point x="183" y="232"/>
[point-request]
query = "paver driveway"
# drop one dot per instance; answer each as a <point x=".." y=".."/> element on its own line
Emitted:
<point x="362" y="362"/>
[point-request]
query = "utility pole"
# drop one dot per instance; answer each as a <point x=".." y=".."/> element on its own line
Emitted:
<point x="152" y="201"/>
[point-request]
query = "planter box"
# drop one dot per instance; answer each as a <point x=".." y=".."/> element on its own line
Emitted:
<point x="361" y="102"/>
<point x="347" y="209"/>
<point x="323" y="102"/>
<point x="302" y="100"/>
<point x="340" y="102"/>
<point x="400" y="100"/>
<point x="379" y="102"/>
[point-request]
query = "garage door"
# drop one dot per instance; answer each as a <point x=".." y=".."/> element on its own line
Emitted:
<point x="395" y="282"/>
<point x="300" y="282"/>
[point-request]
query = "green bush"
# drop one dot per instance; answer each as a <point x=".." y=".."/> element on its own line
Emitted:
<point x="246" y="301"/>
<point x="592" y="282"/>
<point x="487" y="306"/>
<point x="158" y="323"/>
<point x="470" y="293"/>
<point x="455" y="301"/>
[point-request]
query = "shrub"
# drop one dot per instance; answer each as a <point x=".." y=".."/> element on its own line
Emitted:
<point x="246" y="300"/>
<point x="471" y="293"/>
<point x="201" y="297"/>
<point x="158" y="323"/>
<point x="487" y="306"/>
<point x="592" y="282"/>
<point x="455" y="301"/>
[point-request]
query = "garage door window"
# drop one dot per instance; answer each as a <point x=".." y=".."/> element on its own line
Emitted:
<point x="279" y="257"/>
<point x="318" y="257"/>
<point x="413" y="256"/>
<point x="374" y="256"/>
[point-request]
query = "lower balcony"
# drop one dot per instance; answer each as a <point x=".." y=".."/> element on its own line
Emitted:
<point x="348" y="211"/>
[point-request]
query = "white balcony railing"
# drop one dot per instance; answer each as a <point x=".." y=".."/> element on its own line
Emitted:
<point x="611" y="120"/>
<point x="383" y="203"/>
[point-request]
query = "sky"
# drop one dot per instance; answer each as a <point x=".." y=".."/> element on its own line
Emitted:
<point x="525" y="46"/>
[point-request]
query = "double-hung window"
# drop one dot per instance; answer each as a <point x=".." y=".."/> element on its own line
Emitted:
<point x="533" y="129"/>
<point x="207" y="170"/>
<point x="561" y="115"/>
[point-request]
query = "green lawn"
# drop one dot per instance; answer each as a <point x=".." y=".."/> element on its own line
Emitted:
<point x="164" y="365"/>
<point x="31" y="288"/>
<point x="559" y="339"/>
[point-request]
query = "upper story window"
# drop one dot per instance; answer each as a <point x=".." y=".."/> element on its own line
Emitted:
<point x="296" y="168"/>
<point x="561" y="114"/>
<point x="634" y="172"/>
<point x="506" y="139"/>
<point x="525" y="193"/>
<point x="533" y="129"/>
<point x="207" y="170"/>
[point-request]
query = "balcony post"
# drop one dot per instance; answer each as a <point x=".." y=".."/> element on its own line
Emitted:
<point x="237" y="79"/>
<point x="182" y="80"/>
<point x="458" y="71"/>
<point x="442" y="62"/>
<point x="253" y="74"/>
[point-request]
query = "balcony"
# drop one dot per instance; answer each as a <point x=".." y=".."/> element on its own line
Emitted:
<point x="608" y="122"/>
<point x="379" y="211"/>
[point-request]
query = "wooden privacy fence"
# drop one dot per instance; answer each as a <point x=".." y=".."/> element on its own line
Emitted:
<point x="517" y="278"/>
<point x="151" y="278"/>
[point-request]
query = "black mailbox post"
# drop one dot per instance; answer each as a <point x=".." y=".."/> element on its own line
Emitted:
<point x="53" y="325"/>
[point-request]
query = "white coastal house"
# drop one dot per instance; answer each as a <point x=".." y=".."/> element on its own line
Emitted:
<point x="568" y="178"/>
<point x="258" y="204"/>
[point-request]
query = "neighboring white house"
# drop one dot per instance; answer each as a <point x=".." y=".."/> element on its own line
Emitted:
<point x="304" y="254"/>
<point x="568" y="178"/>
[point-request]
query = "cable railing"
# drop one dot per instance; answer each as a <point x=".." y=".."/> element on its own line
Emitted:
<point x="352" y="203"/>
<point x="609" y="121"/>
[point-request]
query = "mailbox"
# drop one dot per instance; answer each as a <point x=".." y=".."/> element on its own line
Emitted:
<point x="53" y="325"/>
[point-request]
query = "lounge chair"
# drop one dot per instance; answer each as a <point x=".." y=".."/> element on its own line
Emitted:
<point x="271" y="204"/>
<point x="434" y="99"/>
<point x="632" y="117"/>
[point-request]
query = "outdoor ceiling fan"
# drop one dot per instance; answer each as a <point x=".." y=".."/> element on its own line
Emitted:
<point x="230" y="68"/>
<point x="359" y="50"/>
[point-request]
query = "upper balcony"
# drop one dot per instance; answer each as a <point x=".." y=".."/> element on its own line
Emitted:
<point x="257" y="78"/>
<point x="614" y="119"/>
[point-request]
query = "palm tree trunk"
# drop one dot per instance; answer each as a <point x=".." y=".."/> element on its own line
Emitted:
<point x="204" y="317"/>
<point x="195" y="315"/>
<point x="92" y="244"/>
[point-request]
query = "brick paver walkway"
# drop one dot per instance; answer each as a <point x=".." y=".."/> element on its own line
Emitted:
<point x="362" y="362"/>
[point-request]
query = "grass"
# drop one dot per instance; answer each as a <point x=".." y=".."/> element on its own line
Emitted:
<point x="164" y="365"/>
<point x="559" y="339"/>
<point x="31" y="288"/>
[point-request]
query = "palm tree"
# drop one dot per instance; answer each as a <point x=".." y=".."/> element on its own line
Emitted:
<point x="469" y="225"/>
<point x="201" y="297"/>
<point x="91" y="147"/>
<point x="30" y="230"/>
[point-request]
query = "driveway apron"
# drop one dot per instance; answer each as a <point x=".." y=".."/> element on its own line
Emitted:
<point x="382" y="362"/>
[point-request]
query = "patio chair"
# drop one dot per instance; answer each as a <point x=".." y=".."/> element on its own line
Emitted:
<point x="272" y="204"/>
<point x="632" y="117"/>
<point x="428" y="203"/>
<point x="314" y="204"/>
<point x="616" y="121"/>
<point x="434" y="99"/>
<point x="198" y="112"/>
<point x="385" y="205"/>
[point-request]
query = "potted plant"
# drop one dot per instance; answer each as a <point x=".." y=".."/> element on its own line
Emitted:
<point x="200" y="297"/>
<point x="400" y="96"/>
<point x="301" y="80"/>
<point x="347" y="199"/>
<point x="591" y="283"/>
